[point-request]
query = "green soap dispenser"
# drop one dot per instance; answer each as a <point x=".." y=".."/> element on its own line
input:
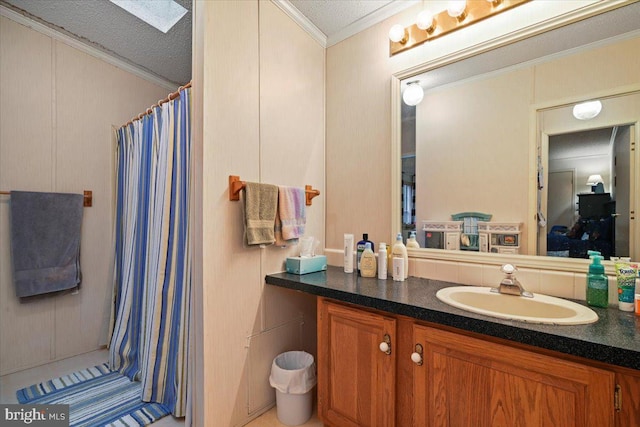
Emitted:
<point x="597" y="282"/>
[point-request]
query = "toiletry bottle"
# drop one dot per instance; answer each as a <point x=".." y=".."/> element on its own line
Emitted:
<point x="400" y="250"/>
<point x="382" y="261"/>
<point x="360" y="248"/>
<point x="411" y="241"/>
<point x="597" y="282"/>
<point x="348" y="253"/>
<point x="626" y="273"/>
<point x="368" y="265"/>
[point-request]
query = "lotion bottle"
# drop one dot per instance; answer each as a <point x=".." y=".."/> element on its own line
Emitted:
<point x="382" y="261"/>
<point x="411" y="241"/>
<point x="360" y="248"/>
<point x="597" y="282"/>
<point x="400" y="251"/>
<point x="368" y="265"/>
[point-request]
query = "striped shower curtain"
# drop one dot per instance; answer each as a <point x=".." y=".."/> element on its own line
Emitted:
<point x="152" y="272"/>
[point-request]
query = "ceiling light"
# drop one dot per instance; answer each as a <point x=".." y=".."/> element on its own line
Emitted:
<point x="161" y="14"/>
<point x="587" y="110"/>
<point x="413" y="93"/>
<point x="397" y="34"/>
<point x="424" y="21"/>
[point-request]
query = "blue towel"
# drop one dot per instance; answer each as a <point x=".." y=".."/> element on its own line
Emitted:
<point x="45" y="241"/>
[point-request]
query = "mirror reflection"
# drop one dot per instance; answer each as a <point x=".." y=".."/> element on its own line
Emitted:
<point x="472" y="146"/>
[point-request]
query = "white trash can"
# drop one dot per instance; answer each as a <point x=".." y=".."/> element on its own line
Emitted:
<point x="293" y="375"/>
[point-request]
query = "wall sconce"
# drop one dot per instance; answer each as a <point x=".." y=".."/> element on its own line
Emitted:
<point x="587" y="110"/>
<point x="459" y="14"/>
<point x="413" y="93"/>
<point x="596" y="183"/>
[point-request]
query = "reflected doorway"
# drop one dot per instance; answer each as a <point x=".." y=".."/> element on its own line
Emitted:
<point x="583" y="216"/>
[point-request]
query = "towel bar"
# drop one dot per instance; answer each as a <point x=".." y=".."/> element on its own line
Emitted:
<point x="236" y="185"/>
<point x="88" y="197"/>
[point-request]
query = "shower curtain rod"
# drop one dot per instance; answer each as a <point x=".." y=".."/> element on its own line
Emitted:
<point x="170" y="97"/>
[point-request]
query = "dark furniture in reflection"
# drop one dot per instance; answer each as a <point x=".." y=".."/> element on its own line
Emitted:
<point x="594" y="230"/>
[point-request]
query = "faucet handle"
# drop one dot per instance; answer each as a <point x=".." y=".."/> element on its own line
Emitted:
<point x="508" y="268"/>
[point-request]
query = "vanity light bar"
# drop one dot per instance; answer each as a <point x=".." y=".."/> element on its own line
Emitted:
<point x="443" y="23"/>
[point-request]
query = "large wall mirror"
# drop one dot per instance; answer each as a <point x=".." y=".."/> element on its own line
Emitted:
<point x="495" y="134"/>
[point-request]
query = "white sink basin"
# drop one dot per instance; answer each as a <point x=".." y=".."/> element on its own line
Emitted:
<point x="539" y="309"/>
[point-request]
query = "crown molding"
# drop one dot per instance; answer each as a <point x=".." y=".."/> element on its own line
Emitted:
<point x="69" y="40"/>
<point x="302" y="21"/>
<point x="370" y="20"/>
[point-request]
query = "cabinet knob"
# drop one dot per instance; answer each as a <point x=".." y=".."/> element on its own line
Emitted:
<point x="416" y="356"/>
<point x="385" y="345"/>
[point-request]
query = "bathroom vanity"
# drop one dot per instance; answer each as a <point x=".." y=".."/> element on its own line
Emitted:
<point x="391" y="354"/>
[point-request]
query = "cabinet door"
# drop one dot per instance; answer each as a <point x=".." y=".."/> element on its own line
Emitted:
<point x="356" y="380"/>
<point x="628" y="414"/>
<point x="465" y="381"/>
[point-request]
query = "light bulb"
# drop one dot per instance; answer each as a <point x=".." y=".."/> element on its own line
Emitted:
<point x="413" y="94"/>
<point x="424" y="21"/>
<point x="397" y="34"/>
<point x="587" y="110"/>
<point x="456" y="8"/>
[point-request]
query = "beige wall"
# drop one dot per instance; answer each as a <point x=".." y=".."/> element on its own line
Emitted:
<point x="473" y="138"/>
<point x="57" y="113"/>
<point x="262" y="118"/>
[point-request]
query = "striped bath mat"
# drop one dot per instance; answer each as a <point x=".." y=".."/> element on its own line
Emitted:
<point x="96" y="397"/>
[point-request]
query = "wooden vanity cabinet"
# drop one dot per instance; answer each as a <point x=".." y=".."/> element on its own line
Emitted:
<point x="460" y="379"/>
<point x="465" y="381"/>
<point x="356" y="386"/>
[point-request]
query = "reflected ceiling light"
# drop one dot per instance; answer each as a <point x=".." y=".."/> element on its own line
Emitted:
<point x="397" y="34"/>
<point x="413" y="93"/>
<point x="587" y="110"/>
<point x="161" y="14"/>
<point x="456" y="9"/>
<point x="425" y="21"/>
<point x="459" y="14"/>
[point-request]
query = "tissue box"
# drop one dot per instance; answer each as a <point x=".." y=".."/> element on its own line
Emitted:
<point x="298" y="265"/>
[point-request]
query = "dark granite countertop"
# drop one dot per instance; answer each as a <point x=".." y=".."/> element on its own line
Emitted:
<point x="613" y="339"/>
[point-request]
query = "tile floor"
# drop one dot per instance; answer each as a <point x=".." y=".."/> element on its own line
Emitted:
<point x="10" y="383"/>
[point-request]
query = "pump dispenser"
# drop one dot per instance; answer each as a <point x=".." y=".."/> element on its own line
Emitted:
<point x="360" y="248"/>
<point x="597" y="282"/>
<point x="411" y="241"/>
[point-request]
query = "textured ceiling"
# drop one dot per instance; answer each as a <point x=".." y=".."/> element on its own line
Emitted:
<point x="112" y="29"/>
<point x="331" y="16"/>
<point x="571" y="145"/>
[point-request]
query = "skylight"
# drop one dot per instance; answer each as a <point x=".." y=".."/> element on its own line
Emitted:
<point x="161" y="14"/>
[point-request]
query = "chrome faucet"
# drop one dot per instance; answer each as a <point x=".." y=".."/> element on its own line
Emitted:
<point x="509" y="284"/>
